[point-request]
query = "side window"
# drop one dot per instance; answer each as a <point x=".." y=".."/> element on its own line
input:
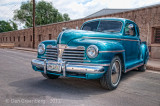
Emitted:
<point x="130" y="29"/>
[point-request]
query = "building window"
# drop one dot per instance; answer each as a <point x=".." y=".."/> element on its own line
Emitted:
<point x="18" y="38"/>
<point x="31" y="38"/>
<point x="10" y="38"/>
<point x="14" y="38"/>
<point x="157" y="35"/>
<point x="50" y="36"/>
<point x="24" y="38"/>
<point x="40" y="38"/>
<point x="6" y="39"/>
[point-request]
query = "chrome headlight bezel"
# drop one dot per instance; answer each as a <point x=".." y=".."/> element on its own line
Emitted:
<point x="41" y="48"/>
<point x="92" y="48"/>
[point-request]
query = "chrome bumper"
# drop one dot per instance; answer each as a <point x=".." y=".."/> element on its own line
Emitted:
<point x="72" y="67"/>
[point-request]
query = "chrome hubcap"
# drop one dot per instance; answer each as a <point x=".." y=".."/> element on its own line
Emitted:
<point x="115" y="72"/>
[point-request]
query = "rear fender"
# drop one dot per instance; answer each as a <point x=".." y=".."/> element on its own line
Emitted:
<point x="145" y="52"/>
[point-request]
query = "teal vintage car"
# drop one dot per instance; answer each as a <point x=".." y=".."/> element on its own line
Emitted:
<point x="102" y="49"/>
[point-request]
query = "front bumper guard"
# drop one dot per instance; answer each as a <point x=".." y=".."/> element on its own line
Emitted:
<point x="71" y="67"/>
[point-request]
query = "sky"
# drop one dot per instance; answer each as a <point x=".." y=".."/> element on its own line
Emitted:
<point x="76" y="8"/>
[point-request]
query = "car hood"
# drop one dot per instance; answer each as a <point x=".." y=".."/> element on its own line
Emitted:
<point x="68" y="35"/>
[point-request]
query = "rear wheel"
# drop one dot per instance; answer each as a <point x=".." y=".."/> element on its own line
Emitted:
<point x="111" y="78"/>
<point x="50" y="76"/>
<point x="142" y="68"/>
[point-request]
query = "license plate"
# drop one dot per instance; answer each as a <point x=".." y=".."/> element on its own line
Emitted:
<point x="54" y="67"/>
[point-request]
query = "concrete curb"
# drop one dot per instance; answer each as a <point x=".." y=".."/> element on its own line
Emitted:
<point x="149" y="67"/>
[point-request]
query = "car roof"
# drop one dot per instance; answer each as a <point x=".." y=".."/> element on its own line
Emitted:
<point x="110" y="18"/>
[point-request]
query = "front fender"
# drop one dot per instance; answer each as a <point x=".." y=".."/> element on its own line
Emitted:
<point x="46" y="43"/>
<point x="107" y="48"/>
<point x="49" y="42"/>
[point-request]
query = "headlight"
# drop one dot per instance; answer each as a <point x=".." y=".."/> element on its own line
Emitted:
<point x="92" y="51"/>
<point x="41" y="48"/>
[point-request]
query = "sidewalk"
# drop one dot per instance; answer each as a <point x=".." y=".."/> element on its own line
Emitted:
<point x="153" y="64"/>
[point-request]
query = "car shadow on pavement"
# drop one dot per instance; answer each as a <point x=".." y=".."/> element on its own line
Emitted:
<point x="130" y="74"/>
<point x="70" y="88"/>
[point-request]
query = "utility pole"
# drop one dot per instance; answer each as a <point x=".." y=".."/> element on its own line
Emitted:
<point x="33" y="1"/>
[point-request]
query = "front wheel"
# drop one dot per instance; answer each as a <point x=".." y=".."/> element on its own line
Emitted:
<point x="111" y="78"/>
<point x="50" y="76"/>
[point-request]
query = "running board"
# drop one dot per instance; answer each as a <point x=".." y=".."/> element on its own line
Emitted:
<point x="133" y="65"/>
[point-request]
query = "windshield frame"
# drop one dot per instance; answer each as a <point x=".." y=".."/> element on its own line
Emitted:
<point x="90" y="22"/>
<point x="100" y="23"/>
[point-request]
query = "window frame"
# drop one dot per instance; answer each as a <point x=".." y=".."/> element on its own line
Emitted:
<point x="50" y="36"/>
<point x="40" y="38"/>
<point x="100" y="23"/>
<point x="154" y="35"/>
<point x="90" y="22"/>
<point x="24" y="38"/>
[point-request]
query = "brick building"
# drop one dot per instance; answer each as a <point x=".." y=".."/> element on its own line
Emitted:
<point x="147" y="18"/>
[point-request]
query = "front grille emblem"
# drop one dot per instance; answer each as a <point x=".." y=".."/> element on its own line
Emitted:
<point x="60" y="52"/>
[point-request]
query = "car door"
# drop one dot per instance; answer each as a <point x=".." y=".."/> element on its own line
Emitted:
<point x="131" y="42"/>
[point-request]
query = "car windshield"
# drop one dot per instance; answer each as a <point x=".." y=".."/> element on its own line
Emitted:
<point x="104" y="26"/>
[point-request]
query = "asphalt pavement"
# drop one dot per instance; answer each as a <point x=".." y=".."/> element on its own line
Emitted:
<point x="21" y="86"/>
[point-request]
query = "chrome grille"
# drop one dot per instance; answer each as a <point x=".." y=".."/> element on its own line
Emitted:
<point x="73" y="54"/>
<point x="69" y="54"/>
<point x="51" y="53"/>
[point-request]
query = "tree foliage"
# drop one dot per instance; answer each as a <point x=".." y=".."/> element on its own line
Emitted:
<point x="45" y="14"/>
<point x="7" y="26"/>
<point x="66" y="17"/>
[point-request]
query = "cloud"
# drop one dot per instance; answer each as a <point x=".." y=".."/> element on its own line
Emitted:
<point x="81" y="8"/>
<point x="131" y="3"/>
<point x="7" y="8"/>
<point x="75" y="8"/>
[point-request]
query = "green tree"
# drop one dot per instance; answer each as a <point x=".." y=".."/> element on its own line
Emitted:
<point x="13" y="24"/>
<point x="66" y="17"/>
<point x="7" y="26"/>
<point x="45" y="14"/>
